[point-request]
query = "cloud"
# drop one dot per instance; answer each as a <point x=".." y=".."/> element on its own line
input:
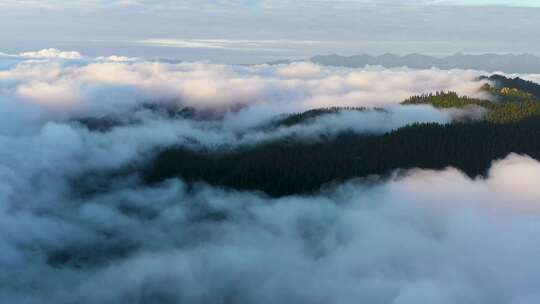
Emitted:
<point x="330" y="125"/>
<point x="420" y="236"/>
<point x="409" y="239"/>
<point x="42" y="92"/>
<point x="300" y="70"/>
<point x="231" y="44"/>
<point x="51" y="53"/>
<point x="246" y="97"/>
<point x="116" y="58"/>
<point x="89" y="85"/>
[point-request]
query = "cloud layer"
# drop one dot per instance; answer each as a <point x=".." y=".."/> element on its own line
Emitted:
<point x="419" y="237"/>
<point x="412" y="239"/>
<point x="55" y="87"/>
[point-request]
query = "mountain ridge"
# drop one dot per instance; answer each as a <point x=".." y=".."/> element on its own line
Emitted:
<point x="508" y="63"/>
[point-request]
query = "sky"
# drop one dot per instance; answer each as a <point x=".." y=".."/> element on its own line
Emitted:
<point x="252" y="31"/>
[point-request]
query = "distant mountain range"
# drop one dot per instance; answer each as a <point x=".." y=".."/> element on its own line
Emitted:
<point x="507" y="63"/>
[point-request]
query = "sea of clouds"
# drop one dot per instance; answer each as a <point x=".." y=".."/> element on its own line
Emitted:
<point x="419" y="237"/>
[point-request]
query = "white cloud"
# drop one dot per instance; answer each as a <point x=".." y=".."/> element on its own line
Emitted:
<point x="297" y="86"/>
<point x="55" y="94"/>
<point x="59" y="90"/>
<point x="115" y="58"/>
<point x="231" y="44"/>
<point x="425" y="236"/>
<point x="300" y="70"/>
<point x="52" y="53"/>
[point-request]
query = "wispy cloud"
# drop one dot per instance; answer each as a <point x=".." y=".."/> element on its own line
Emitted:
<point x="232" y="44"/>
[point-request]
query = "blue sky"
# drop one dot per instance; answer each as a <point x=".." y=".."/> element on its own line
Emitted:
<point x="261" y="30"/>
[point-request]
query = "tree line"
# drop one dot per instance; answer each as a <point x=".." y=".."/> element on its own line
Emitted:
<point x="286" y="167"/>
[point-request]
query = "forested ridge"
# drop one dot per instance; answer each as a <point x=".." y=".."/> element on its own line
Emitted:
<point x="304" y="117"/>
<point x="290" y="166"/>
<point x="515" y="83"/>
<point x="511" y="99"/>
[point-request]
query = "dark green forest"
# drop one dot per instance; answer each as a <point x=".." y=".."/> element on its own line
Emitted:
<point x="304" y="117"/>
<point x="290" y="166"/>
<point x="515" y="83"/>
<point x="511" y="99"/>
<point x="506" y="110"/>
